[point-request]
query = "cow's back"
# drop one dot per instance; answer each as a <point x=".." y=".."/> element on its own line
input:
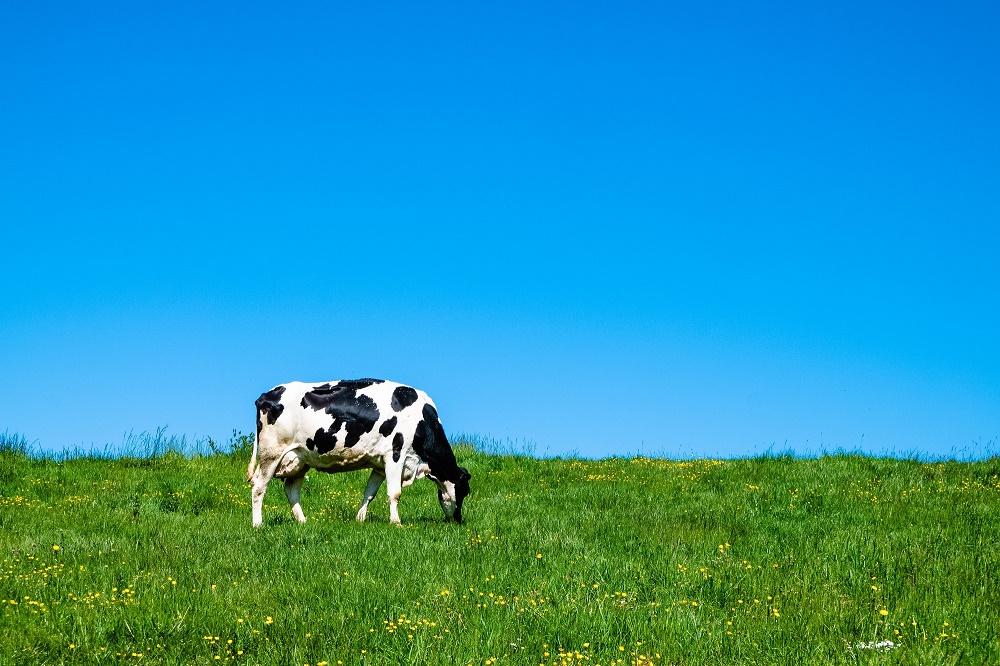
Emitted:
<point x="345" y="416"/>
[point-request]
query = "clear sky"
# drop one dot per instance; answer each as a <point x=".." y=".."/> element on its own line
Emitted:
<point x="698" y="228"/>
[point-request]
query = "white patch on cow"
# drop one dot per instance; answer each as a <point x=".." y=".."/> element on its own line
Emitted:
<point x="291" y="463"/>
<point x="415" y="472"/>
<point x="448" y="498"/>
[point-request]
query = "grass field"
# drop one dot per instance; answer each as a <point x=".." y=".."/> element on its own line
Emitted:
<point x="768" y="560"/>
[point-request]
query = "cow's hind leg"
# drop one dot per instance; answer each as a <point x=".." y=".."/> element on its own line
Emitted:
<point x="292" y="469"/>
<point x="374" y="483"/>
<point x="293" y="487"/>
<point x="259" y="481"/>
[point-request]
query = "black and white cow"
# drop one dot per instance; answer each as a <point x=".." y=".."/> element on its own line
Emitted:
<point x="355" y="424"/>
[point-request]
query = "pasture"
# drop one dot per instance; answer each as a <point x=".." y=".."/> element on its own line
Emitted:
<point x="151" y="560"/>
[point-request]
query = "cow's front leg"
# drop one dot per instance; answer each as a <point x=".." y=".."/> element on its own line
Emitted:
<point x="374" y="483"/>
<point x="293" y="486"/>
<point x="394" y="487"/>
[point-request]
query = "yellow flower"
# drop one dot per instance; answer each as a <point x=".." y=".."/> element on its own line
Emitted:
<point x="55" y="547"/>
<point x="883" y="612"/>
<point x="539" y="556"/>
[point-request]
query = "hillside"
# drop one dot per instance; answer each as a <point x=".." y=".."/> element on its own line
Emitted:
<point x="559" y="561"/>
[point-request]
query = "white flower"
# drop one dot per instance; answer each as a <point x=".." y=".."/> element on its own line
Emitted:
<point x="881" y="646"/>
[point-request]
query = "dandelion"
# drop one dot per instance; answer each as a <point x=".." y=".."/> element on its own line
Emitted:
<point x="883" y="612"/>
<point x="539" y="556"/>
<point x="55" y="547"/>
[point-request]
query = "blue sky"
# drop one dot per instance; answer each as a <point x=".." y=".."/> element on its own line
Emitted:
<point x="688" y="229"/>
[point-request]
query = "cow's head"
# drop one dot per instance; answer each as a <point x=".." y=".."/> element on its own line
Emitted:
<point x="451" y="494"/>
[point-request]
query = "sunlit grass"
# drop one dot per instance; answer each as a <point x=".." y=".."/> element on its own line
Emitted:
<point x="560" y="561"/>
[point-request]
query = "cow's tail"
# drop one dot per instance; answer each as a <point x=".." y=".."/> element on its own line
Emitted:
<point x="253" y="459"/>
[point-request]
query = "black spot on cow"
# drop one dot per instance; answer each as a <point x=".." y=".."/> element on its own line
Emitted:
<point x="323" y="441"/>
<point x="269" y="407"/>
<point x="386" y="428"/>
<point x="419" y="438"/>
<point x="341" y="401"/>
<point x="358" y="384"/>
<point x="397" y="446"/>
<point x="270" y="404"/>
<point x="403" y="397"/>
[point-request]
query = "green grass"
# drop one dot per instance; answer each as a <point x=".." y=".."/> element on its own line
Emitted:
<point x="758" y="561"/>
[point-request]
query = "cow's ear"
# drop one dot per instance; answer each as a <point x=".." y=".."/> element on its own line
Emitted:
<point x="463" y="474"/>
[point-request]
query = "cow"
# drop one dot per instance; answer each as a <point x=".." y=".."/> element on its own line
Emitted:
<point x="347" y="425"/>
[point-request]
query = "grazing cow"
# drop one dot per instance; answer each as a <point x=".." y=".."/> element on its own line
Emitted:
<point x="346" y="425"/>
